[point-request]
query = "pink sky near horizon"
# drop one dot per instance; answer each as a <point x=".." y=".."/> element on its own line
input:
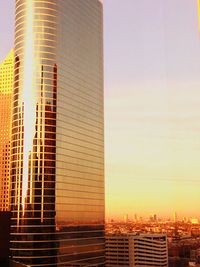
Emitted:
<point x="152" y="104"/>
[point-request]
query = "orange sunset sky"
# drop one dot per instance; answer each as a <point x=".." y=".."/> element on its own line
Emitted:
<point x="152" y="104"/>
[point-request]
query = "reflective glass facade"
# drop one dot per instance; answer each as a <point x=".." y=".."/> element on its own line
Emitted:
<point x="57" y="150"/>
<point x="6" y="88"/>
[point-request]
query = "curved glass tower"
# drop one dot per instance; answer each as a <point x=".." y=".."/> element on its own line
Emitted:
<point x="57" y="148"/>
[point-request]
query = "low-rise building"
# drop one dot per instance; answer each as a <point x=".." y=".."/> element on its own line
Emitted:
<point x="136" y="250"/>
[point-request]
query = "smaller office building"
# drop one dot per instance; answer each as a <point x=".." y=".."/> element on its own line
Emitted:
<point x="136" y="250"/>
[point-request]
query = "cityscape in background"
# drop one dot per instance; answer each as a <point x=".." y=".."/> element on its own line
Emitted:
<point x="183" y="235"/>
<point x="56" y="208"/>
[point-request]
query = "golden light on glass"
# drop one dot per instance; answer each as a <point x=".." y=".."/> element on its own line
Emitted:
<point x="6" y="88"/>
<point x="28" y="99"/>
<point x="57" y="150"/>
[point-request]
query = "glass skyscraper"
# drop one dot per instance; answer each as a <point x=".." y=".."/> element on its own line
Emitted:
<point x="57" y="148"/>
<point x="6" y="88"/>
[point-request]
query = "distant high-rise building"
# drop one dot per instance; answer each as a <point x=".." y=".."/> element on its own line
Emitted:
<point x="135" y="217"/>
<point x="136" y="250"/>
<point x="6" y="88"/>
<point x="57" y="153"/>
<point x="126" y="218"/>
<point x="153" y="218"/>
<point x="175" y="217"/>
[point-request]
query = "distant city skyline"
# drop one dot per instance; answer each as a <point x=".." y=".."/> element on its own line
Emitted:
<point x="152" y="104"/>
<point x="148" y="216"/>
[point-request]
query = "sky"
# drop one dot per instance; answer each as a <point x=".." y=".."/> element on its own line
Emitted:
<point x="152" y="104"/>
